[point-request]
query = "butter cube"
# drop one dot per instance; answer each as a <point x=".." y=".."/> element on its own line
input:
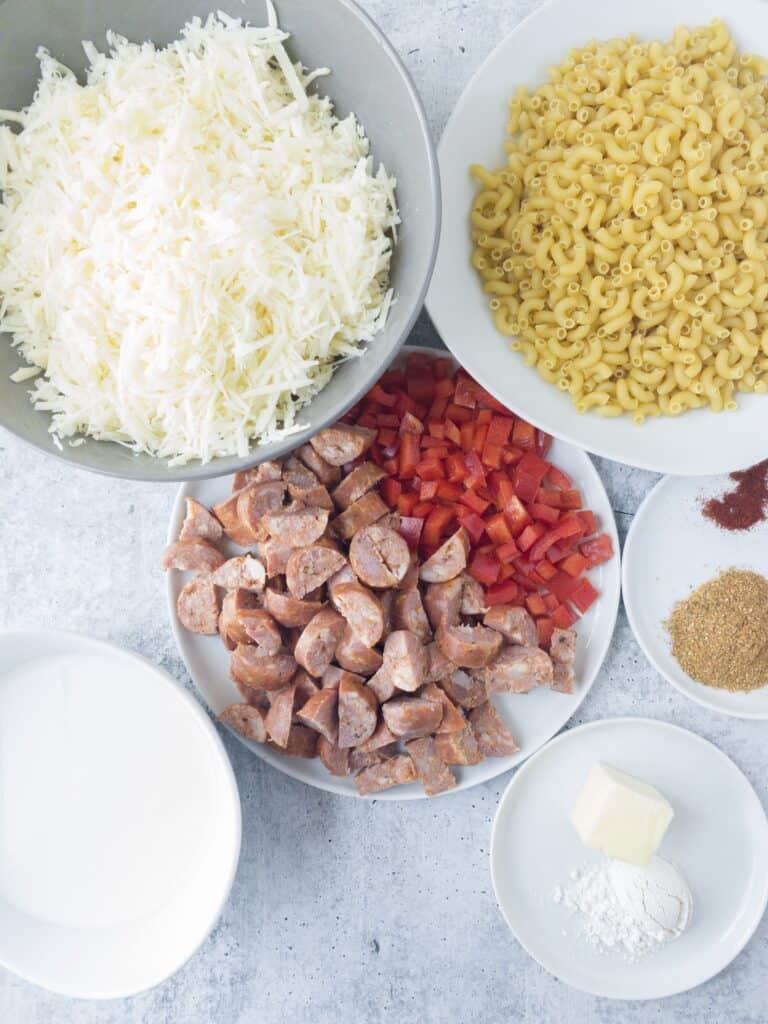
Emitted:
<point x="620" y="815"/>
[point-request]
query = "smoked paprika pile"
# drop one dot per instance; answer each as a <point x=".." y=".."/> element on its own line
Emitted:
<point x="746" y="504"/>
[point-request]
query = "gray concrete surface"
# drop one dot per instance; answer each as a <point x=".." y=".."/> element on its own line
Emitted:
<point x="342" y="912"/>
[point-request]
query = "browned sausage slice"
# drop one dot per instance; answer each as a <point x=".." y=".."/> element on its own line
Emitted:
<point x="382" y="685"/>
<point x="518" y="670"/>
<point x="198" y="606"/>
<point x="344" y="575"/>
<point x="226" y="513"/>
<point x="515" y="624"/>
<point x="298" y="527"/>
<point x="335" y="759"/>
<point x="464" y="689"/>
<point x="253" y="696"/>
<point x="262" y="629"/>
<point x="244" y="572"/>
<point x="302" y="742"/>
<point x="275" y="556"/>
<point x="192" y="556"/>
<point x="452" y="720"/>
<point x="353" y="655"/>
<point x="269" y="470"/>
<point x="448" y="561"/>
<point x="472" y="597"/>
<point x="411" y="717"/>
<point x="362" y="610"/>
<point x="395" y="771"/>
<point x="254" y="502"/>
<point x="562" y="647"/>
<point x="382" y="737"/>
<point x="362" y="479"/>
<point x="235" y="605"/>
<point x="436" y="777"/>
<point x="309" y="568"/>
<point x="321" y="714"/>
<point x="469" y="646"/>
<point x="563" y="677"/>
<point x="493" y="737"/>
<point x="387" y="598"/>
<point x="411" y="579"/>
<point x="361" y="513"/>
<point x="408" y="613"/>
<point x="379" y="556"/>
<point x="200" y="524"/>
<point x="342" y="443"/>
<point x="365" y="758"/>
<point x="443" y="602"/>
<point x="358" y="713"/>
<point x="458" y="747"/>
<point x="246" y="720"/>
<point x="264" y="671"/>
<point x="290" y="611"/>
<point x="280" y="716"/>
<point x="306" y="687"/>
<point x="405" y="659"/>
<point x="317" y="644"/>
<point x="438" y="666"/>
<point x="226" y="639"/>
<point x="324" y="471"/>
<point x="333" y="676"/>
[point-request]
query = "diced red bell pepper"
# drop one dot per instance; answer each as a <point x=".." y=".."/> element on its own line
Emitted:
<point x="484" y="568"/>
<point x="567" y="527"/>
<point x="472" y="523"/>
<point x="430" y="469"/>
<point x="387" y="419"/>
<point x="544" y="628"/>
<point x="422" y="509"/>
<point x="584" y="595"/>
<point x="559" y="479"/>
<point x="437" y="409"/>
<point x="467" y="432"/>
<point x="564" y="617"/>
<point x="391" y="490"/>
<point x="449" y="492"/>
<point x="498" y="529"/>
<point x="465" y="391"/>
<point x="452" y="432"/>
<point x="436" y="429"/>
<point x="507" y="552"/>
<point x="507" y="592"/>
<point x="455" y="469"/>
<point x="524" y="436"/>
<point x="548" y="496"/>
<point x="478" y="442"/>
<point x="419" y="383"/>
<point x="551" y="602"/>
<point x="525" y="582"/>
<point x="409" y="456"/>
<point x="475" y="472"/>
<point x="571" y="499"/>
<point x="410" y="530"/>
<point x="458" y="414"/>
<point x="390" y="466"/>
<point x="545" y="570"/>
<point x="484" y="416"/>
<point x="428" y="490"/>
<point x="530" y="536"/>
<point x="499" y="430"/>
<point x="510" y="456"/>
<point x="492" y="455"/>
<point x="574" y="564"/>
<point x="444" y="387"/>
<point x="589" y="520"/>
<point x="410" y="424"/>
<point x="544" y="513"/>
<point x="387" y="437"/>
<point x="517" y="515"/>
<point x="437" y="522"/>
<point x="472" y="500"/>
<point x="562" y="586"/>
<point x="535" y="604"/>
<point x="597" y="550"/>
<point x="379" y="395"/>
<point x="527" y="476"/>
<point x="543" y="442"/>
<point x="443" y="370"/>
<point x="406" y="503"/>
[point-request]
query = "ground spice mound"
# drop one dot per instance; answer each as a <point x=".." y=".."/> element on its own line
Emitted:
<point x="746" y="504"/>
<point x="720" y="633"/>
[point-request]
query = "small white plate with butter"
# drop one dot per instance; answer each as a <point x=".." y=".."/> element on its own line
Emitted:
<point x="718" y="838"/>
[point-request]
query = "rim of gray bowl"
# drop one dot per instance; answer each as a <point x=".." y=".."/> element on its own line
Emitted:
<point x="156" y="470"/>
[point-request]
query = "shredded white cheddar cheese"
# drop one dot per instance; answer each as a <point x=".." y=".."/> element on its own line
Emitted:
<point x="188" y="241"/>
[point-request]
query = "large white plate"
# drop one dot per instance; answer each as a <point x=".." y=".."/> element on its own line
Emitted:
<point x="719" y="838"/>
<point x="119" y="817"/>
<point x="533" y="718"/>
<point x="697" y="443"/>
<point x="671" y="549"/>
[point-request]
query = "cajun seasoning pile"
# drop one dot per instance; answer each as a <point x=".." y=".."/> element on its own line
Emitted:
<point x="720" y="633"/>
<point x="746" y="504"/>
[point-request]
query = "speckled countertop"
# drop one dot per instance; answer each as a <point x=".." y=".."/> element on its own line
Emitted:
<point x="342" y="912"/>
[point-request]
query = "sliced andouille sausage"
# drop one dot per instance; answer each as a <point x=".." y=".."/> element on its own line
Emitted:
<point x="464" y="689"/>
<point x="255" y="502"/>
<point x="453" y="720"/>
<point x="262" y="629"/>
<point x="410" y="717"/>
<point x="353" y="655"/>
<point x="387" y="598"/>
<point x="379" y="556"/>
<point x="244" y="572"/>
<point x="436" y="777"/>
<point x="226" y="639"/>
<point x="363" y="512"/>
<point x="358" y="713"/>
<point x="253" y="667"/>
<point x="316" y="646"/>
<point x="269" y="470"/>
<point x="306" y="687"/>
<point x="197" y="606"/>
<point x="288" y="610"/>
<point x="298" y="527"/>
<point x="469" y="646"/>
<point x="226" y="513"/>
<point x="408" y="613"/>
<point x="449" y="561"/>
<point x="493" y="737"/>
<point x="458" y="747"/>
<point x="333" y="676"/>
<point x="235" y="605"/>
<point x="200" y="524"/>
<point x="395" y="771"/>
<point x="362" y="610"/>
<point x="518" y="670"/>
<point x="411" y="579"/>
<point x="302" y="742"/>
<point x="335" y="760"/>
<point x="280" y="715"/>
<point x="514" y="624"/>
<point x="327" y="474"/>
<point x="405" y="659"/>
<point x="344" y="575"/>
<point x="342" y="443"/>
<point x="253" y="696"/>
<point x="321" y="713"/>
<point x="275" y="556"/>
<point x="192" y="556"/>
<point x="365" y="758"/>
<point x="382" y="684"/>
<point x="309" y="568"/>
<point x="438" y="666"/>
<point x="472" y="597"/>
<point x="563" y="677"/>
<point x="562" y="646"/>
<point x="362" y="479"/>
<point x="442" y="602"/>
<point x="382" y="737"/>
<point x="245" y="719"/>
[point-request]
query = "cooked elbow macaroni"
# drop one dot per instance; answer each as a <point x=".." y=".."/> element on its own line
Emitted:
<point x="624" y="245"/>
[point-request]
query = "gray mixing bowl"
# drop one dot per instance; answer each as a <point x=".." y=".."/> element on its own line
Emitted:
<point x="367" y="78"/>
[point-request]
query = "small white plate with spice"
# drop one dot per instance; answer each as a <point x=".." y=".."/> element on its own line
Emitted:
<point x="688" y="533"/>
<point x="717" y="839"/>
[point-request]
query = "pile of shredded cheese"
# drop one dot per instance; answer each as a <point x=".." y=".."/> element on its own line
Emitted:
<point x="188" y="241"/>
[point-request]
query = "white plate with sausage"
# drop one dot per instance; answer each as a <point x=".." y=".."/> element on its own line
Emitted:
<point x="532" y="718"/>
